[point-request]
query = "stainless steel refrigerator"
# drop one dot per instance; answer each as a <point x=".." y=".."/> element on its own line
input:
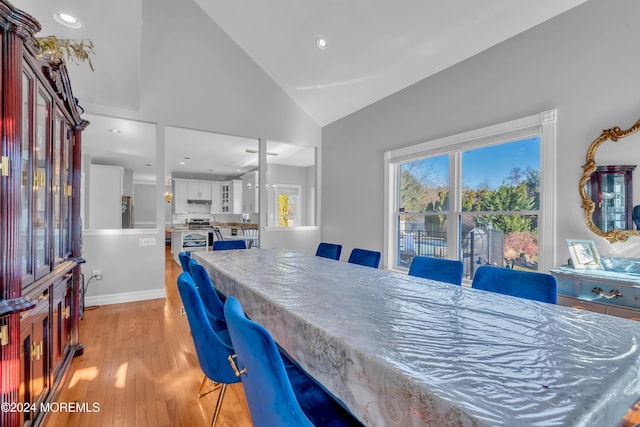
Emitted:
<point x="127" y="212"/>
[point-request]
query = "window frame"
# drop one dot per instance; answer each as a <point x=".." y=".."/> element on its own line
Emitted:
<point x="542" y="124"/>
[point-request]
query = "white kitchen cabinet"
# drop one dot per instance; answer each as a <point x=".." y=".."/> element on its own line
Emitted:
<point x="250" y="192"/>
<point x="216" y="202"/>
<point x="231" y="196"/>
<point x="179" y="196"/>
<point x="199" y="190"/>
<point x="236" y="194"/>
<point x="105" y="196"/>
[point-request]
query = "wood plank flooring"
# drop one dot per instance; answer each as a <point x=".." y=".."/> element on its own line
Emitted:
<point x="139" y="365"/>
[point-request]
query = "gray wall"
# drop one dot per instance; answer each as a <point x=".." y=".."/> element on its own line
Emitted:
<point x="584" y="63"/>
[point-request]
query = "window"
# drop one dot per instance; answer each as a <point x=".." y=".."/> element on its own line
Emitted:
<point x="484" y="197"/>
<point x="287" y="205"/>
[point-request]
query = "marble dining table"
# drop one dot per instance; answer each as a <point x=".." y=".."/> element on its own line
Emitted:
<point x="404" y="351"/>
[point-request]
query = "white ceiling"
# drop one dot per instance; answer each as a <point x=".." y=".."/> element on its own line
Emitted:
<point x="376" y="47"/>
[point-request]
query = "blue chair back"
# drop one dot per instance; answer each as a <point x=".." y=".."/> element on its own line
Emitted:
<point x="517" y="283"/>
<point x="213" y="305"/>
<point x="365" y="257"/>
<point x="440" y="269"/>
<point x="222" y="245"/>
<point x="184" y="258"/>
<point x="211" y="349"/>
<point x="329" y="250"/>
<point x="271" y="399"/>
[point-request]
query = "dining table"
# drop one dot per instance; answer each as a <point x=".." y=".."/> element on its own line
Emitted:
<point x="398" y="350"/>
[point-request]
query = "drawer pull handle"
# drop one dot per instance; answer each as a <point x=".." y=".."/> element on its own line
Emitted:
<point x="612" y="294"/>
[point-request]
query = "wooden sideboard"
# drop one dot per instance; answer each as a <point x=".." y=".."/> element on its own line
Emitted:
<point x="40" y="226"/>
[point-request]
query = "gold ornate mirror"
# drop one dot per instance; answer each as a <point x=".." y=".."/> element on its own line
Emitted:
<point x="618" y="196"/>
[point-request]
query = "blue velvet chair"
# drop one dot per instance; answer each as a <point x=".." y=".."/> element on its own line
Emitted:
<point x="221" y="245"/>
<point x="184" y="258"/>
<point x="212" y="348"/>
<point x="440" y="269"/>
<point x="365" y="257"/>
<point x="517" y="283"/>
<point x="329" y="250"/>
<point x="213" y="304"/>
<point x="278" y="394"/>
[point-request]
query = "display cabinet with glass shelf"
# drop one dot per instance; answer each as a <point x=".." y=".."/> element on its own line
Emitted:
<point x="611" y="191"/>
<point x="40" y="251"/>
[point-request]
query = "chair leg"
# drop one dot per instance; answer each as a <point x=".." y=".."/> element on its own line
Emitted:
<point x="204" y="380"/>
<point x="218" y="405"/>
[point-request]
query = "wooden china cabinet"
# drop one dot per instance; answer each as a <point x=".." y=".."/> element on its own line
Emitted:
<point x="39" y="222"/>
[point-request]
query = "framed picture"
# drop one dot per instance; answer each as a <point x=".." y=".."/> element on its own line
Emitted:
<point x="584" y="254"/>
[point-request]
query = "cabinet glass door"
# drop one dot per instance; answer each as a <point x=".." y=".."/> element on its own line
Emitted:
<point x="42" y="257"/>
<point x="26" y="216"/>
<point x="67" y="180"/>
<point x="57" y="189"/>
<point x="613" y="202"/>
<point x="225" y="197"/>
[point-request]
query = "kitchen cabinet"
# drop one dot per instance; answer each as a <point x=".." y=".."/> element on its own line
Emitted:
<point x="199" y="190"/>
<point x="40" y="225"/>
<point x="231" y="196"/>
<point x="188" y="241"/>
<point x="216" y="201"/>
<point x="179" y="196"/>
<point x="250" y="190"/>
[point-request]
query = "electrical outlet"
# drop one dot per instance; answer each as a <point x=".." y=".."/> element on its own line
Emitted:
<point x="96" y="273"/>
<point x="146" y="241"/>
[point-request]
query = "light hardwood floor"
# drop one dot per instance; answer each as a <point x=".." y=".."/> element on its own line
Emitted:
<point x="140" y="366"/>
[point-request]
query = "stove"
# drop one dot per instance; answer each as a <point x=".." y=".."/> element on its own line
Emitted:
<point x="198" y="223"/>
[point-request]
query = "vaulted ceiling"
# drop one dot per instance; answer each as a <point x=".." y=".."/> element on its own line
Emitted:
<point x="374" y="47"/>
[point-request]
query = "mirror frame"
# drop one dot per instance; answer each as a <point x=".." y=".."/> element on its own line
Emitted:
<point x="613" y="134"/>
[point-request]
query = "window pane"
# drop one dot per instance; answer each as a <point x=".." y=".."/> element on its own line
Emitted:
<point x="424" y="185"/>
<point x="503" y="177"/>
<point x="418" y="236"/>
<point x="499" y="240"/>
<point x="424" y="188"/>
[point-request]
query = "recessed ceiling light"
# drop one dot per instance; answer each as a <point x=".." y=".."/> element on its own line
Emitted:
<point x="321" y="43"/>
<point x="182" y="163"/>
<point x="67" y="20"/>
<point x="115" y="131"/>
<point x="148" y="164"/>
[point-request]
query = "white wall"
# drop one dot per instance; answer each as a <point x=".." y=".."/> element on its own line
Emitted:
<point x="130" y="272"/>
<point x="144" y="205"/>
<point x="194" y="76"/>
<point x="583" y="63"/>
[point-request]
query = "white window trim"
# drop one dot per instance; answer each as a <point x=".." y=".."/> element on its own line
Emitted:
<point x="542" y="124"/>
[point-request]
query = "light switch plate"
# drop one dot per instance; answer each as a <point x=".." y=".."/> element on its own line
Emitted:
<point x="146" y="241"/>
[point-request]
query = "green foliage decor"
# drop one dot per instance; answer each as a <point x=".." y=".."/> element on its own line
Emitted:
<point x="61" y="49"/>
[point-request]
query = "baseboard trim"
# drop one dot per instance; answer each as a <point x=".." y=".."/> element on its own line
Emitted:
<point x="125" y="297"/>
